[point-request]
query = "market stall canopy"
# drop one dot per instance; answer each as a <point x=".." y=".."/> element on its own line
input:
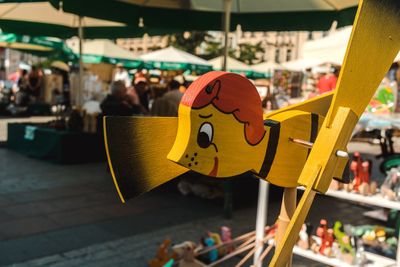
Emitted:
<point x="60" y="65"/>
<point x="232" y="64"/>
<point x="171" y="58"/>
<point x="302" y="64"/>
<point x="267" y="67"/>
<point x="252" y="15"/>
<point x="41" y="18"/>
<point x="236" y="66"/>
<point x="37" y="45"/>
<point x="330" y="49"/>
<point x="97" y="51"/>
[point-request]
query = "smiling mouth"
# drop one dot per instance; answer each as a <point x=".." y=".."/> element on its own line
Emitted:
<point x="215" y="168"/>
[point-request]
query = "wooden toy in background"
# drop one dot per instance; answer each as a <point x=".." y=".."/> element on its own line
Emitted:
<point x="390" y="188"/>
<point x="326" y="236"/>
<point x="226" y="235"/>
<point x="344" y="241"/>
<point x="185" y="254"/>
<point x="222" y="132"/>
<point x="362" y="184"/>
<point x="381" y="239"/>
<point x="361" y="170"/>
<point x="163" y="256"/>
<point x="213" y="254"/>
<point x="305" y="237"/>
<point x="217" y="241"/>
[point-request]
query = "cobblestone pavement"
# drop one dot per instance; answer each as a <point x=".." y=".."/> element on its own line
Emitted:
<point x="138" y="249"/>
<point x="69" y="215"/>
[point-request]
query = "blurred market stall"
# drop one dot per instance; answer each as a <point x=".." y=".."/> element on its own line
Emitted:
<point x="236" y="66"/>
<point x="38" y="45"/>
<point x="105" y="51"/>
<point x="171" y="58"/>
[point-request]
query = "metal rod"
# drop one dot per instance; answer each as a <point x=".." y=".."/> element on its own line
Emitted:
<point x="302" y="142"/>
<point x="262" y="211"/>
<point x="227" y="23"/>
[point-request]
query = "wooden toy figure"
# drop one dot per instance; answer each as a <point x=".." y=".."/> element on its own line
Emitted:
<point x="221" y="130"/>
<point x="186" y="255"/>
<point x="343" y="239"/>
<point x="213" y="254"/>
<point x="326" y="243"/>
<point x="217" y="241"/>
<point x="361" y="171"/>
<point x="327" y="238"/>
<point x="226" y="235"/>
<point x="303" y="241"/>
<point x="163" y="255"/>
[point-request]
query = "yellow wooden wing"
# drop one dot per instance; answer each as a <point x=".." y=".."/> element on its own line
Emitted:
<point x="373" y="45"/>
<point x="137" y="149"/>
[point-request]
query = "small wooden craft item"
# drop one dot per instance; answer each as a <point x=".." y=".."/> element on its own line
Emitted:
<point x="163" y="255"/>
<point x="221" y="130"/>
<point x="186" y="255"/>
<point x="361" y="171"/>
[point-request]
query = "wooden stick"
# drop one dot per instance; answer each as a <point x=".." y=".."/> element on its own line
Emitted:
<point x="287" y="210"/>
<point x="236" y="252"/>
<point x="250" y="240"/>
<point x="265" y="252"/>
<point x="245" y="258"/>
<point x="265" y="240"/>
<point x="230" y="255"/>
<point x="237" y="239"/>
<point x="284" y="250"/>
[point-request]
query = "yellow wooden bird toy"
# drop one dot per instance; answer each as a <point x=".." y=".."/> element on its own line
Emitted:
<point x="221" y="130"/>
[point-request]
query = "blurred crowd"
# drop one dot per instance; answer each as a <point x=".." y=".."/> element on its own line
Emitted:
<point x="139" y="96"/>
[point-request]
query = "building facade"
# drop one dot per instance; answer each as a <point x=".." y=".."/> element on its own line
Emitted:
<point x="279" y="47"/>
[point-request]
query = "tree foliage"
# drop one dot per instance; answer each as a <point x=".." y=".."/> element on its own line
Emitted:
<point x="188" y="41"/>
<point x="249" y="53"/>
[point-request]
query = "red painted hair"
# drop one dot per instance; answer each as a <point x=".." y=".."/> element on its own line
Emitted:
<point x="230" y="93"/>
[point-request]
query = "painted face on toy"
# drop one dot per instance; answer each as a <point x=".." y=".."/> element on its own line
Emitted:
<point x="211" y="139"/>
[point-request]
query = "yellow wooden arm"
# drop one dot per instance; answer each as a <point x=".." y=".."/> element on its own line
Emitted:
<point x="373" y="45"/>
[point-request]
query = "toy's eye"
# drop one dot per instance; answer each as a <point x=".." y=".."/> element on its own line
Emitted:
<point x="205" y="135"/>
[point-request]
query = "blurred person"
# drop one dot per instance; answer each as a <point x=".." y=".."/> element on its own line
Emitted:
<point x="22" y="95"/>
<point x="327" y="82"/>
<point x="167" y="105"/>
<point x="269" y="102"/>
<point x="35" y="82"/>
<point x="117" y="103"/>
<point x="121" y="74"/>
<point x="143" y="92"/>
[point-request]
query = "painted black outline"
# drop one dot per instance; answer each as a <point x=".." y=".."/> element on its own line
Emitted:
<point x="205" y="116"/>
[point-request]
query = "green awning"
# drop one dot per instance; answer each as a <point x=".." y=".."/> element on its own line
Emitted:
<point x="38" y="45"/>
<point x="106" y="51"/>
<point x="252" y="15"/>
<point x="171" y="58"/>
<point x="176" y="66"/>
<point x="95" y="59"/>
